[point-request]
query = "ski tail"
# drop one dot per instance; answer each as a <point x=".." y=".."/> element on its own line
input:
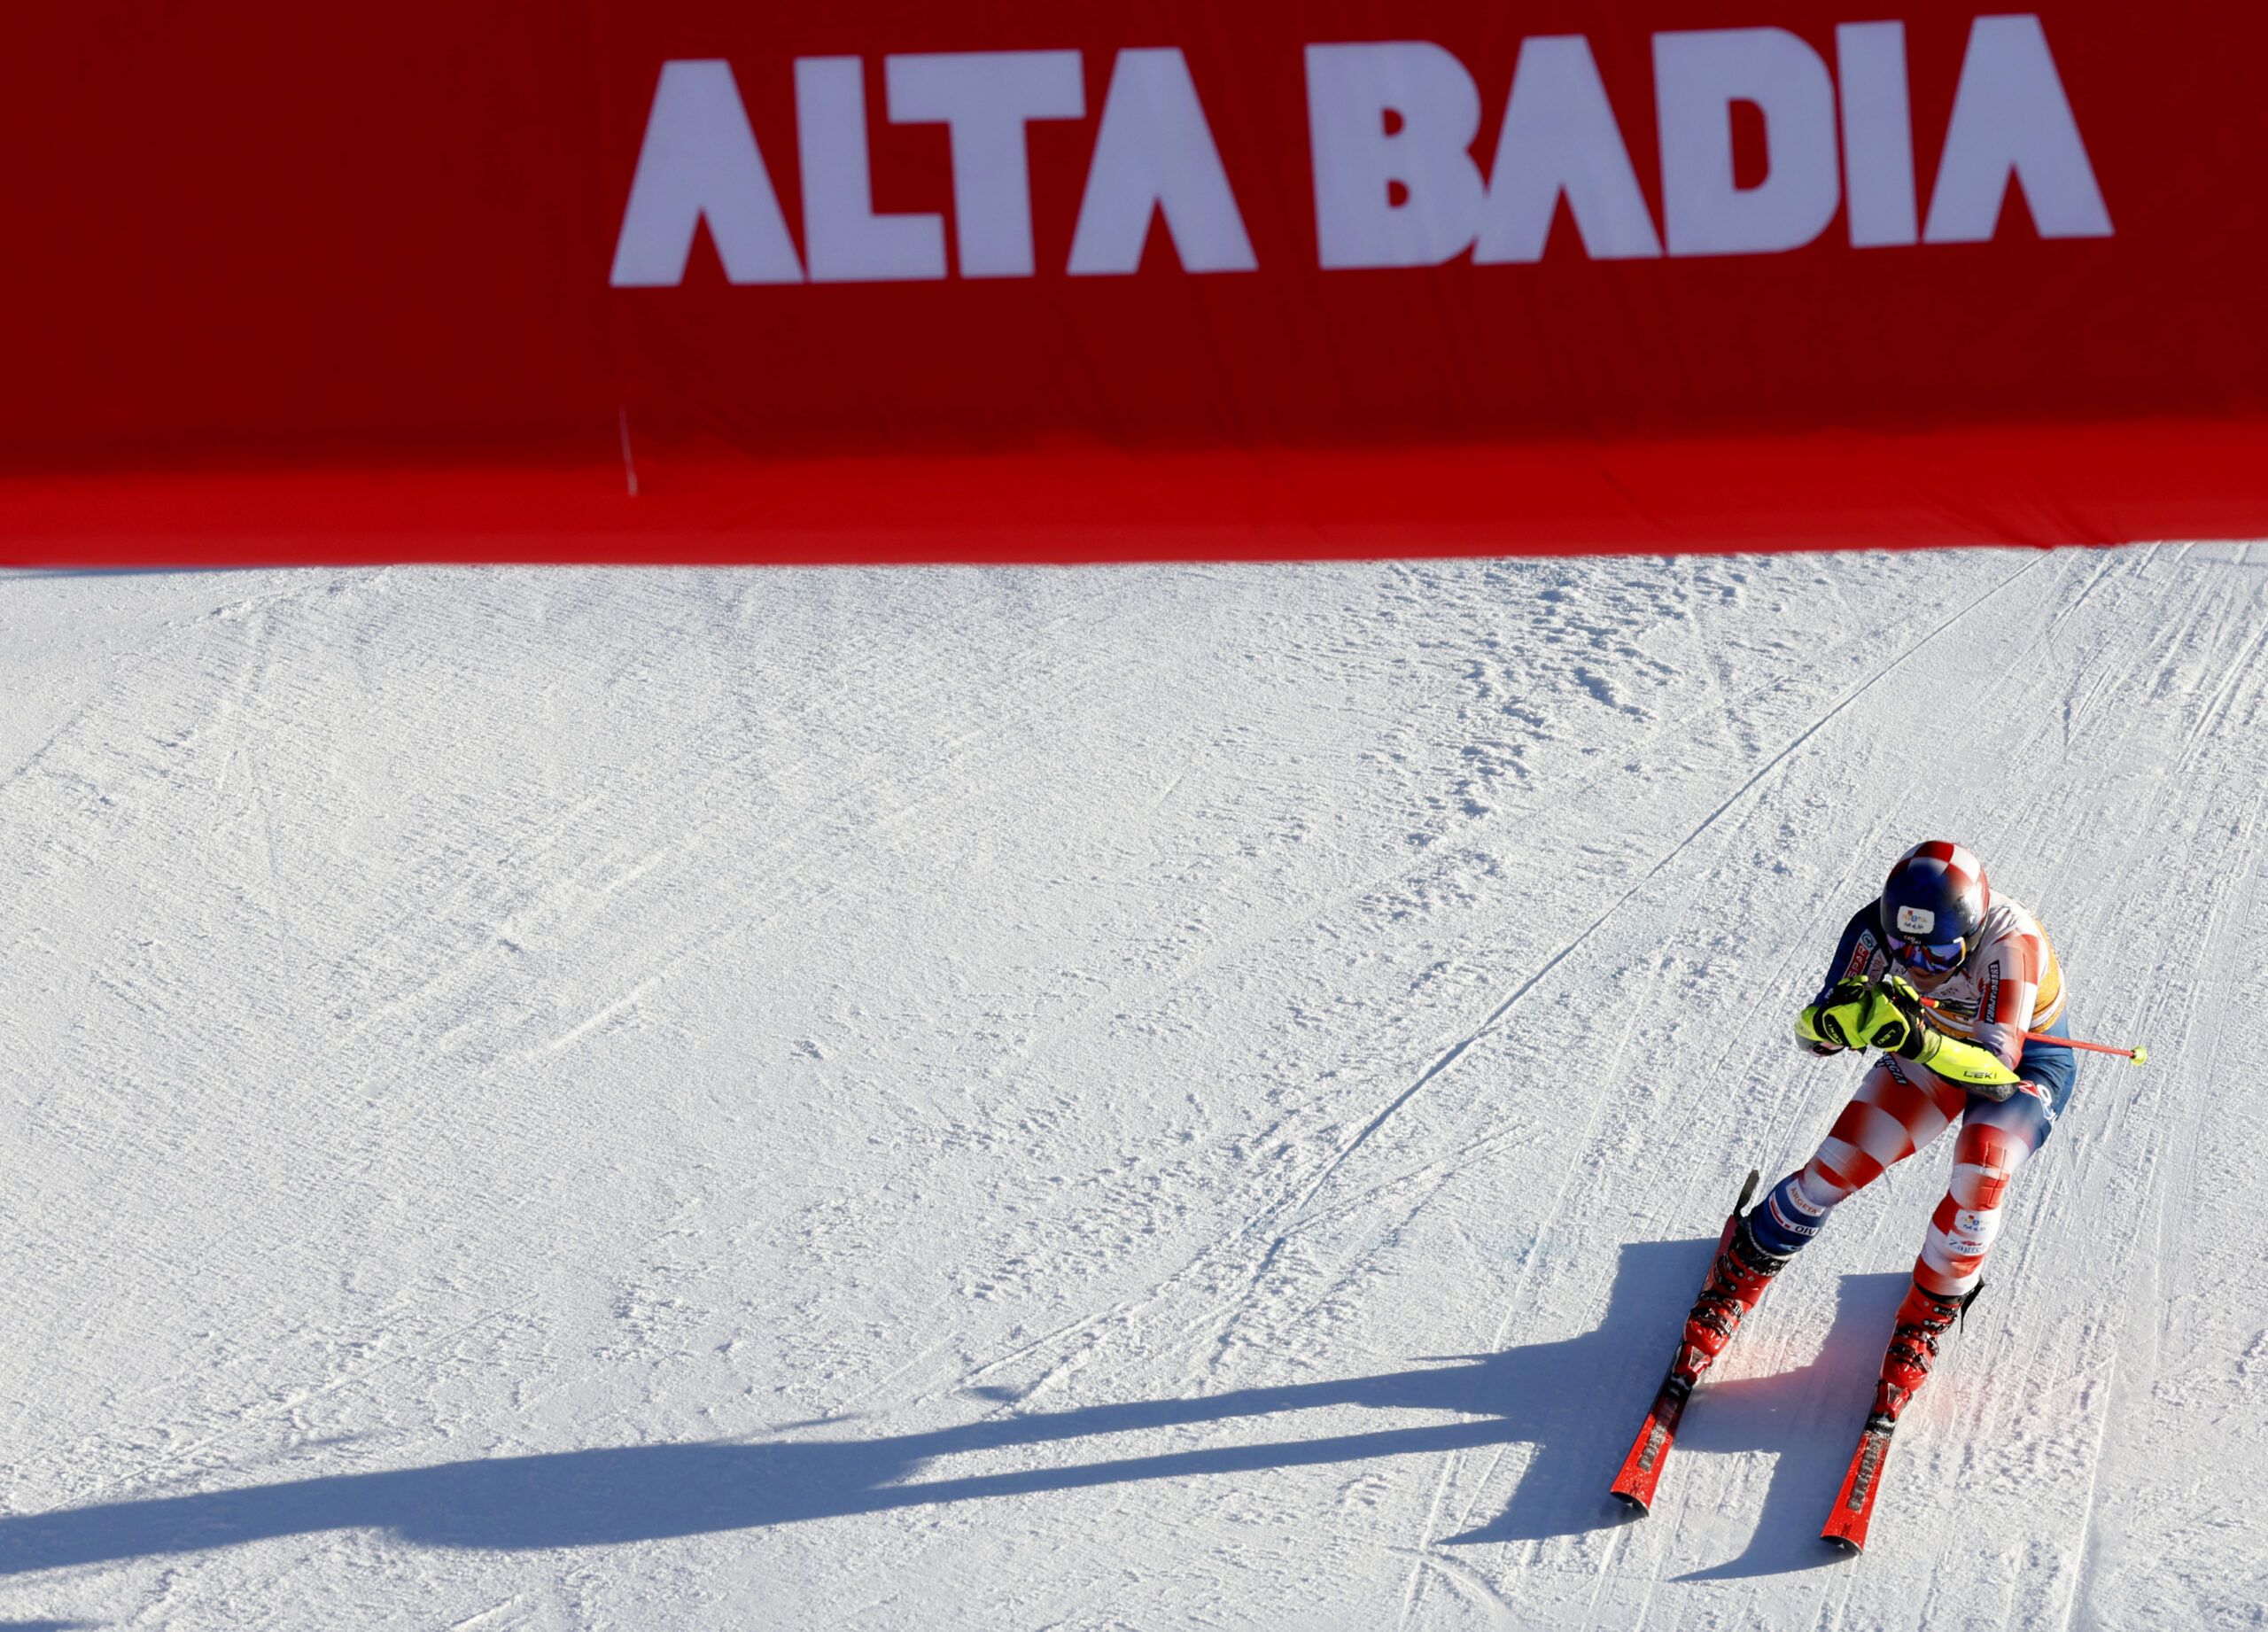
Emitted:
<point x="1641" y="1469"/>
<point x="1854" y="1502"/>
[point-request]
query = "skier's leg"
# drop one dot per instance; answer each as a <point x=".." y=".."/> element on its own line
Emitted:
<point x="1996" y="1137"/>
<point x="1891" y="1117"/>
<point x="1994" y="1140"/>
<point x="1897" y="1110"/>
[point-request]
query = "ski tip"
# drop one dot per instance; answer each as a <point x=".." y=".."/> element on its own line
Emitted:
<point x="1844" y="1545"/>
<point x="1635" y="1504"/>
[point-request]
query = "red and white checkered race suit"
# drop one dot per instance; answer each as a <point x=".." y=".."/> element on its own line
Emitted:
<point x="2008" y="985"/>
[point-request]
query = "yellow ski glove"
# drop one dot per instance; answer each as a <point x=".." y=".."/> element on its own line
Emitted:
<point x="1864" y="1015"/>
<point x="1888" y="1014"/>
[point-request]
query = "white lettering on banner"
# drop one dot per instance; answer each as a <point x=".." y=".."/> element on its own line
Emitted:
<point x="1560" y="136"/>
<point x="1154" y="151"/>
<point x="1358" y="162"/>
<point x="2011" y="117"/>
<point x="1878" y="133"/>
<point x="700" y="158"/>
<point x="1697" y="76"/>
<point x="986" y="98"/>
<point x="1391" y="126"/>
<point x="846" y="241"/>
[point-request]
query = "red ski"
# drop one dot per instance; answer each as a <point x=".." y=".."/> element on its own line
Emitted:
<point x="1854" y="1503"/>
<point x="1641" y="1469"/>
<point x="1923" y="1320"/>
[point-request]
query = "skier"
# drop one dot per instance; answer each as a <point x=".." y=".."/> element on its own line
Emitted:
<point x="1938" y="932"/>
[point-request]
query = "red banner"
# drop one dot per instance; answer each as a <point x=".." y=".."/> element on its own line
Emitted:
<point x="696" y="281"/>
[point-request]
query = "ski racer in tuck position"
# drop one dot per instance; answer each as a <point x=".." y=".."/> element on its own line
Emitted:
<point x="1947" y="978"/>
<point x="1946" y="975"/>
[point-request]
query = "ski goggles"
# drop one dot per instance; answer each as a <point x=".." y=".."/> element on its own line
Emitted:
<point x="1929" y="957"/>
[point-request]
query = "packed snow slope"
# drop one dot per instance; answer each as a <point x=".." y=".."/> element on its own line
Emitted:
<point x="1138" y="1097"/>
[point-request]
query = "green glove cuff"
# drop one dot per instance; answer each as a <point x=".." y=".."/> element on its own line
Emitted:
<point x="1962" y="1062"/>
<point x="1807" y="1028"/>
<point x="1871" y="1020"/>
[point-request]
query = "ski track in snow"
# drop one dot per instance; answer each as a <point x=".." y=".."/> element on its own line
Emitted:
<point x="1120" y="1098"/>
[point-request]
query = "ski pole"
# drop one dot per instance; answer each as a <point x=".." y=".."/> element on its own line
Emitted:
<point x="2137" y="1054"/>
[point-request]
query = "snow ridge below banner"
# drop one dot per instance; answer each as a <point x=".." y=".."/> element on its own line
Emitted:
<point x="2101" y="485"/>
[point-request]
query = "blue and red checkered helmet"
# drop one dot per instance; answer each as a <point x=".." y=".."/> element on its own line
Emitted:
<point x="1932" y="904"/>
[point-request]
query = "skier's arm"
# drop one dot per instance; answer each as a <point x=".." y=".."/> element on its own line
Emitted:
<point x="1859" y="957"/>
<point x="2013" y="964"/>
<point x="1959" y="1061"/>
<point x="1889" y="1015"/>
<point x="1953" y="1058"/>
<point x="1860" y="954"/>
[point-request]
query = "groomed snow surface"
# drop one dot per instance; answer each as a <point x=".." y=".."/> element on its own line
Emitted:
<point x="1193" y="1096"/>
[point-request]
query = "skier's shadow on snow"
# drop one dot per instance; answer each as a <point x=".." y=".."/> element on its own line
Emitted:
<point x="1576" y="1401"/>
<point x="1811" y="1416"/>
<point x="1598" y="1387"/>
